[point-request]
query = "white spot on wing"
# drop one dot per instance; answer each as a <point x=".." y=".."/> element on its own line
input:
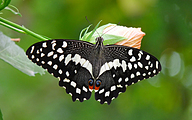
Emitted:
<point x="140" y="65"/>
<point x="116" y="63"/>
<point x="130" y="52"/>
<point x="54" y="56"/>
<point x="66" y="80"/>
<point x="76" y="59"/>
<point x="139" y="56"/>
<point x="78" y="90"/>
<point x="70" y="94"/>
<point x="49" y="63"/>
<point x="132" y="75"/>
<point x="43" y="62"/>
<point x="53" y="41"/>
<point x="146" y="67"/>
<point x="37" y="51"/>
<point x="119" y="86"/>
<point x="95" y="90"/>
<point x="124" y="65"/>
<point x="32" y="56"/>
<point x="147" y="57"/>
<point x="85" y="89"/>
<point x="132" y="59"/>
<point x="55" y="66"/>
<point x="113" y="75"/>
<point x="129" y="66"/>
<point x="32" y="48"/>
<point x="44" y="44"/>
<point x="59" y="50"/>
<point x="104" y="68"/>
<point x="112" y="98"/>
<point x="101" y="91"/>
<point x="60" y="71"/>
<point x="141" y="52"/>
<point x="64" y="44"/>
<point x="61" y="58"/>
<point x="42" y="54"/>
<point x="107" y="93"/>
<point x="135" y="65"/>
<point x="73" y="84"/>
<point x="149" y="73"/>
<point x="157" y="64"/>
<point x="50" y="54"/>
<point x="151" y="65"/>
<point x="107" y="66"/>
<point x="138" y="73"/>
<point x="126" y="79"/>
<point x="113" y="88"/>
<point x="110" y="64"/>
<point x="84" y="98"/>
<point x="82" y="61"/>
<point x="88" y="66"/>
<point x="120" y="79"/>
<point x="53" y="46"/>
<point x="67" y="59"/>
<point x="67" y="73"/>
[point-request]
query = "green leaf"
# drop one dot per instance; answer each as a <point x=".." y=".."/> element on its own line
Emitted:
<point x="88" y="36"/>
<point x="86" y="30"/>
<point x="13" y="9"/>
<point x="1" y="115"/>
<point x="4" y="3"/>
<point x="14" y="55"/>
<point x="108" y="38"/>
<point x="112" y="39"/>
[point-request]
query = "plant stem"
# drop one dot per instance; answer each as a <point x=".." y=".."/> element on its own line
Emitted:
<point x="20" y="29"/>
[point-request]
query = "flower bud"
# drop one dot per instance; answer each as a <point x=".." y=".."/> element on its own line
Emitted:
<point x="133" y="35"/>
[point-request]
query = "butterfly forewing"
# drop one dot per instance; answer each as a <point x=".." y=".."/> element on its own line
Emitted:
<point x="64" y="59"/>
<point x="124" y="66"/>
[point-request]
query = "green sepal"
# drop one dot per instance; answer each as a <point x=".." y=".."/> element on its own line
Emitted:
<point x="4" y="3"/>
<point x="98" y="32"/>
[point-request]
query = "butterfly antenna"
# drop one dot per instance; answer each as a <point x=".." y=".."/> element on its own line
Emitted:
<point x="90" y="23"/>
<point x="87" y="19"/>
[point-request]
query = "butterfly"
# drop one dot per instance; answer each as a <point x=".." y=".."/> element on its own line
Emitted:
<point x="83" y="67"/>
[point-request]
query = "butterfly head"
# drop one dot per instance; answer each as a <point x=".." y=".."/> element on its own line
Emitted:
<point x="99" y="41"/>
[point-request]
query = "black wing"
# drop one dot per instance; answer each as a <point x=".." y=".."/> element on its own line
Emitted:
<point x="66" y="60"/>
<point x="124" y="66"/>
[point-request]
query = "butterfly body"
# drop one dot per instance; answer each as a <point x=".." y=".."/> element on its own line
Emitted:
<point x="82" y="66"/>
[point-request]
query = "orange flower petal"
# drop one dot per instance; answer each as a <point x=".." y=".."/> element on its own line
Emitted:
<point x="15" y="39"/>
<point x="133" y="35"/>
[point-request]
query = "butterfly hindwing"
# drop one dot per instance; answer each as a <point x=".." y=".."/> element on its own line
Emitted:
<point x="65" y="59"/>
<point x="124" y="66"/>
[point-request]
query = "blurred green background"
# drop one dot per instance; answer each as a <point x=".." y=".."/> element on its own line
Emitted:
<point x="168" y="28"/>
